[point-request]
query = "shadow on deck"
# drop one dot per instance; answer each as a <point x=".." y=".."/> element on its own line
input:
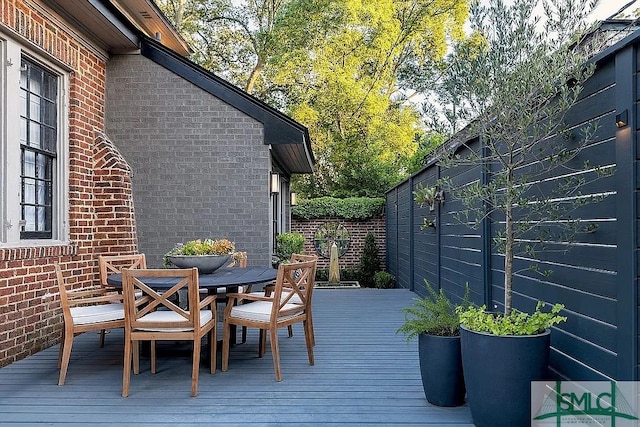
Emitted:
<point x="364" y="375"/>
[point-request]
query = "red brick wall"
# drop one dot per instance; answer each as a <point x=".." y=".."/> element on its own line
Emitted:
<point x="100" y="209"/>
<point x="357" y="229"/>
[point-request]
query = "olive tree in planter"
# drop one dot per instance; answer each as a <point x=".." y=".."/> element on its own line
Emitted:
<point x="518" y="77"/>
<point x="435" y="322"/>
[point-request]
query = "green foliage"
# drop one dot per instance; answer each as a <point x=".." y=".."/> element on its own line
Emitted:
<point x="346" y="274"/>
<point x="515" y="323"/>
<point x="514" y="82"/>
<point x="369" y="263"/>
<point x="350" y="208"/>
<point x="434" y="314"/>
<point x="383" y="280"/>
<point x="342" y="68"/>
<point x="287" y="244"/>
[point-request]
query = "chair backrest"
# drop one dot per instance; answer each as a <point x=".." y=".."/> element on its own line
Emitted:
<point x="92" y="295"/>
<point x="64" y="299"/>
<point x="150" y="301"/>
<point x="295" y="279"/>
<point x="111" y="264"/>
<point x="302" y="257"/>
<point x="239" y="259"/>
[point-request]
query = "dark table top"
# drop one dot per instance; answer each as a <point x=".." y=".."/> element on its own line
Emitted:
<point x="223" y="277"/>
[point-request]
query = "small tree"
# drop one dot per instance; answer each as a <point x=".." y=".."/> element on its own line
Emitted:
<point x="369" y="263"/>
<point x="518" y="84"/>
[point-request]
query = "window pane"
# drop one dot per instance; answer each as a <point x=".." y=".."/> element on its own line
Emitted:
<point x="34" y="108"/>
<point x="41" y="171"/>
<point x="49" y="113"/>
<point x="23" y="102"/>
<point x="50" y="91"/>
<point x="29" y="164"/>
<point x="29" y="215"/>
<point x="29" y="191"/>
<point x="35" y="79"/>
<point x="50" y="137"/>
<point x="34" y="134"/>
<point x="23" y="131"/>
<point x="38" y="133"/>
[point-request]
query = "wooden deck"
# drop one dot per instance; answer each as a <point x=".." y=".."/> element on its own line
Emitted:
<point x="364" y="375"/>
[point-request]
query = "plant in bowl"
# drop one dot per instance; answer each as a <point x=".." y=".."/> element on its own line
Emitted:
<point x="434" y="319"/>
<point x="207" y="255"/>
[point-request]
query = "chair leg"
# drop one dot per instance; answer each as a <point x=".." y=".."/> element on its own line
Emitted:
<point x="213" y="346"/>
<point x="262" y="343"/>
<point x="310" y="320"/>
<point x="153" y="357"/>
<point x="136" y="357"/>
<point x="244" y="335"/>
<point x="273" y="336"/>
<point x="226" y="332"/>
<point x="195" y="369"/>
<point x="290" y="329"/>
<point x="61" y="348"/>
<point x="102" y="334"/>
<point x="308" y="337"/>
<point x="65" y="355"/>
<point x="126" y="370"/>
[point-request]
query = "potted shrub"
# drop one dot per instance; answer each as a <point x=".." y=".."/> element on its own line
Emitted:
<point x="517" y="346"/>
<point x="434" y="320"/>
<point x="207" y="255"/>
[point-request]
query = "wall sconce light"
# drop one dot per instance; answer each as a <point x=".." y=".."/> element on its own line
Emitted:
<point x="622" y="119"/>
<point x="294" y="199"/>
<point x="275" y="183"/>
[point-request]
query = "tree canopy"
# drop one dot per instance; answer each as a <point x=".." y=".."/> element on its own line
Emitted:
<point x="344" y="68"/>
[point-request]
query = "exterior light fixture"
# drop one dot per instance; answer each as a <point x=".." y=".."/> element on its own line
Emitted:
<point x="275" y="183"/>
<point x="622" y="119"/>
<point x="294" y="199"/>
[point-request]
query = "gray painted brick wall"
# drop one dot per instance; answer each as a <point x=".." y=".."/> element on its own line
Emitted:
<point x="200" y="167"/>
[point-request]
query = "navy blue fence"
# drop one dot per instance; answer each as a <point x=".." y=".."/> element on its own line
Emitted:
<point x="594" y="275"/>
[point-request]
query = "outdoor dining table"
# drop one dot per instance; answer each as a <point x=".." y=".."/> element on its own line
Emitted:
<point x="229" y="278"/>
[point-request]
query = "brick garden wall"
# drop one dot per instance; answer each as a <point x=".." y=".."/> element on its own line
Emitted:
<point x="357" y="229"/>
<point x="99" y="221"/>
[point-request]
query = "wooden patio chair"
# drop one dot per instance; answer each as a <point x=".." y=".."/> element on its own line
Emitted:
<point x="239" y="261"/>
<point x="113" y="264"/>
<point x="295" y="300"/>
<point x="89" y="309"/>
<point x="154" y="317"/>
<point x="272" y="313"/>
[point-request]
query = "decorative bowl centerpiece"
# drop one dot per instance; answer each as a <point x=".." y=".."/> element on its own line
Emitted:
<point x="207" y="255"/>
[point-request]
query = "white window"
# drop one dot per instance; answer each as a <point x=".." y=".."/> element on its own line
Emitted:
<point x="33" y="158"/>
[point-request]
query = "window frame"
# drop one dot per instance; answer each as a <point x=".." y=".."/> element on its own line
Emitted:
<point x="11" y="54"/>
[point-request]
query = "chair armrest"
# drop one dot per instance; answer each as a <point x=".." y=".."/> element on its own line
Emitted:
<point x="248" y="297"/>
<point x="92" y="295"/>
<point x="209" y="300"/>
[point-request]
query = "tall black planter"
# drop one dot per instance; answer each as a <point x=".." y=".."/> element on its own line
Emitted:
<point x="441" y="369"/>
<point x="498" y="371"/>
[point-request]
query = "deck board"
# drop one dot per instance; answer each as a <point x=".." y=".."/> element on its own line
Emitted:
<point x="364" y="374"/>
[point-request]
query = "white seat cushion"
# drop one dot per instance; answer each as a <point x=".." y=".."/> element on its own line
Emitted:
<point x="261" y="311"/>
<point x="97" y="313"/>
<point x="172" y="316"/>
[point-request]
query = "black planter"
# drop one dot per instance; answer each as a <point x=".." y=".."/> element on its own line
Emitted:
<point x="441" y="370"/>
<point x="498" y="371"/>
